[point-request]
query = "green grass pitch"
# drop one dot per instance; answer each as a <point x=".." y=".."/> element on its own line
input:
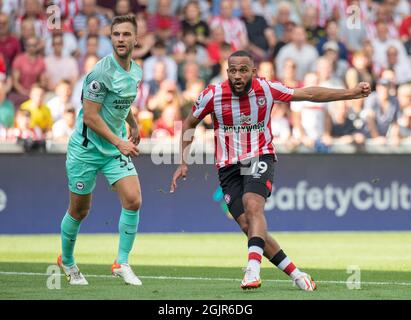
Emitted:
<point x="209" y="266"/>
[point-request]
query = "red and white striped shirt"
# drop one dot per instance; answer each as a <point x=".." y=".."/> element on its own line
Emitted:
<point x="242" y="125"/>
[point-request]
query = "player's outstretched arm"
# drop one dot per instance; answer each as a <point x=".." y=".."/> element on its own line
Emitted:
<point x="189" y="123"/>
<point x="320" y="94"/>
<point x="95" y="122"/>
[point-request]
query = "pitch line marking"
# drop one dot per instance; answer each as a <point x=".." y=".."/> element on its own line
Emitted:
<point x="386" y="283"/>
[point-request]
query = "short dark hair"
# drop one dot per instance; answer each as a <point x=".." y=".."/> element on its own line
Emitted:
<point x="131" y="18"/>
<point x="241" y="53"/>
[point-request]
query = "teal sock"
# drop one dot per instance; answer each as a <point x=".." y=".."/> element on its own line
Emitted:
<point x="69" y="230"/>
<point x="127" y="228"/>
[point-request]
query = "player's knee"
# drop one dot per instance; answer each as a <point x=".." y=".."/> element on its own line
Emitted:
<point x="253" y="207"/>
<point x="79" y="213"/>
<point x="132" y="204"/>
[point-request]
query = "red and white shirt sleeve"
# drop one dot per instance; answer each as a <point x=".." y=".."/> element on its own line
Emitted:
<point x="280" y="92"/>
<point x="204" y="105"/>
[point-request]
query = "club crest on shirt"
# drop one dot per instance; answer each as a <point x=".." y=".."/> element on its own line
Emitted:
<point x="261" y="101"/>
<point x="80" y="185"/>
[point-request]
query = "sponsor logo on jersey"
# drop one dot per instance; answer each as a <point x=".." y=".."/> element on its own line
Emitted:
<point x="245" y="119"/>
<point x="245" y="128"/>
<point x="122" y="103"/>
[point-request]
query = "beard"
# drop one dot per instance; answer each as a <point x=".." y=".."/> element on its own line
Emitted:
<point x="123" y="55"/>
<point x="244" y="91"/>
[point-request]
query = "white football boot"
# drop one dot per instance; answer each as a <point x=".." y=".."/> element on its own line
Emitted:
<point x="124" y="271"/>
<point x="304" y="282"/>
<point x="73" y="274"/>
<point x="251" y="279"/>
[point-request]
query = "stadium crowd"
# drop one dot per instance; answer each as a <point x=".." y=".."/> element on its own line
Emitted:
<point x="183" y="45"/>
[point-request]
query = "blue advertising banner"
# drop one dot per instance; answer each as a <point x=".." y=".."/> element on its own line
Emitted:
<point x="311" y="192"/>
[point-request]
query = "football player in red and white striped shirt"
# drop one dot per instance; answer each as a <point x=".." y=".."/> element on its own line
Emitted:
<point x="245" y="156"/>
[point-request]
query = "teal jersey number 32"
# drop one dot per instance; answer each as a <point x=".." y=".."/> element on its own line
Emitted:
<point x="115" y="89"/>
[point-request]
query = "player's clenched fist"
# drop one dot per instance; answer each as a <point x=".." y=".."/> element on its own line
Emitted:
<point x="181" y="172"/>
<point x="363" y="89"/>
<point x="127" y="148"/>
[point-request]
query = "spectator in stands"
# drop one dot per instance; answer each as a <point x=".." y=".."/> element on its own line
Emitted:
<point x="61" y="100"/>
<point x="313" y="30"/>
<point x="6" y="112"/>
<point x="286" y="39"/>
<point x="9" y="44"/>
<point x="300" y="51"/>
<point x="265" y="8"/>
<point x="65" y="126"/>
<point x="189" y="40"/>
<point x="70" y="44"/>
<point x="40" y="115"/>
<point x="191" y="75"/>
<point x="89" y="63"/>
<point x="28" y="68"/>
<point x="30" y="137"/>
<point x="310" y="119"/>
<point x="192" y="22"/>
<point x="382" y="114"/>
<point x="145" y="39"/>
<point x="326" y="10"/>
<point x="59" y="67"/>
<point x="343" y="130"/>
<point x="326" y="75"/>
<point x="165" y="125"/>
<point x="28" y="31"/>
<point x="404" y="118"/>
<point x="339" y="66"/>
<point x="159" y="53"/>
<point x="189" y="96"/>
<point x="167" y="96"/>
<point x="159" y="76"/>
<point x="261" y="37"/>
<point x="122" y="8"/>
<point x="353" y="30"/>
<point x="81" y="19"/>
<point x="33" y="11"/>
<point x="3" y="68"/>
<point x="332" y="34"/>
<point x="222" y="75"/>
<point x="402" y="70"/>
<point x="281" y="127"/>
<point x="235" y="31"/>
<point x="360" y="70"/>
<point x="405" y="28"/>
<point x="216" y="45"/>
<point x="266" y="70"/>
<point x="92" y="44"/>
<point x="289" y="74"/>
<point x="283" y="17"/>
<point x="382" y="43"/>
<point x="164" y="19"/>
<point x="94" y="28"/>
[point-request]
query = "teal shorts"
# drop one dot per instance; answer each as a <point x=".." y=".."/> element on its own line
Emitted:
<point x="82" y="167"/>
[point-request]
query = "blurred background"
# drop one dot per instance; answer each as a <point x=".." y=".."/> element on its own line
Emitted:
<point x="343" y="165"/>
